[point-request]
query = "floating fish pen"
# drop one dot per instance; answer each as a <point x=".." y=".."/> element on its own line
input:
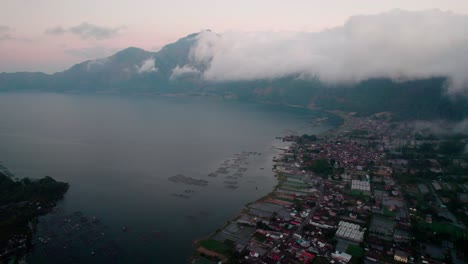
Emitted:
<point x="213" y="174"/>
<point x="179" y="178"/>
<point x="230" y="182"/>
<point x="183" y="196"/>
<point x="222" y="170"/>
<point x="74" y="238"/>
<point x="191" y="217"/>
<point x="238" y="174"/>
<point x="204" y="213"/>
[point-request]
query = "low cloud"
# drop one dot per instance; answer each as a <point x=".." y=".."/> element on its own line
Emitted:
<point x="4" y="29"/>
<point x="184" y="70"/>
<point x="401" y="45"/>
<point x="86" y="31"/>
<point x="461" y="127"/>
<point x="6" y="34"/>
<point x="5" y="37"/>
<point x="147" y="66"/>
<point x="56" y="31"/>
<point x="442" y="127"/>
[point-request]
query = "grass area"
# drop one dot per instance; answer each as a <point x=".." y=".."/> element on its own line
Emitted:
<point x="444" y="228"/>
<point x="288" y="188"/>
<point x="202" y="260"/>
<point x="388" y="213"/>
<point x="281" y="180"/>
<point x="422" y="204"/>
<point x="355" y="251"/>
<point x="298" y="184"/>
<point x="259" y="237"/>
<point x="321" y="260"/>
<point x="216" y="246"/>
<point x="294" y="181"/>
<point x="284" y="199"/>
<point x="292" y="176"/>
<point x="359" y="194"/>
<point x="293" y="186"/>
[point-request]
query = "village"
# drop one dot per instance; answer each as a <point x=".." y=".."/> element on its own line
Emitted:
<point x="369" y="191"/>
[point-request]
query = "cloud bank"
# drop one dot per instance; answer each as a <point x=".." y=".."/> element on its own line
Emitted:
<point x="183" y="71"/>
<point x="4" y="29"/>
<point x="56" y="31"/>
<point x="5" y="32"/>
<point x="401" y="45"/>
<point x="147" y="66"/>
<point x="443" y="127"/>
<point x="6" y="35"/>
<point x="86" y="31"/>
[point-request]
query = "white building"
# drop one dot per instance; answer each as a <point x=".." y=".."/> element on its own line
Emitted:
<point x="350" y="231"/>
<point x="363" y="186"/>
<point x="341" y="257"/>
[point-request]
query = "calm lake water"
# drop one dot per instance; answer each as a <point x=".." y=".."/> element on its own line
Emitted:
<point x="117" y="153"/>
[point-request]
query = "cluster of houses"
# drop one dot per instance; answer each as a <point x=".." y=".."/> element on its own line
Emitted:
<point x="358" y="212"/>
<point x="332" y="217"/>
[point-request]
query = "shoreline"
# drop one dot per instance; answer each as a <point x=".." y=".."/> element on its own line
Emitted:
<point x="280" y="179"/>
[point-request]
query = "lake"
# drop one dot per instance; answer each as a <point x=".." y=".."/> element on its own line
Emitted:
<point x="118" y="154"/>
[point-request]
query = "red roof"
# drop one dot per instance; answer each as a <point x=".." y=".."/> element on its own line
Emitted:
<point x="308" y="255"/>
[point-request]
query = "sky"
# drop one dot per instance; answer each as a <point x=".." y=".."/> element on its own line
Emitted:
<point x="52" y="35"/>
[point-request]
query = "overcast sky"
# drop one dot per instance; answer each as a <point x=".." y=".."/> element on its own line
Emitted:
<point x="52" y="35"/>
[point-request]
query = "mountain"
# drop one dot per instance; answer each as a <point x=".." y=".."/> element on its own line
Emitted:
<point x="130" y="70"/>
<point x="134" y="70"/>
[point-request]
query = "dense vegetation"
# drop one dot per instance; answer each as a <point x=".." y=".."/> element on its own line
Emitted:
<point x="42" y="190"/>
<point x="21" y="202"/>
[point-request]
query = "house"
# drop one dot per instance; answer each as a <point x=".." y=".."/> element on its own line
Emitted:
<point x="463" y="197"/>
<point x="401" y="256"/>
<point x="429" y="219"/>
<point x="341" y="257"/>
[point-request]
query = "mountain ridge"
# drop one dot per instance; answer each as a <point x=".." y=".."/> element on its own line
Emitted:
<point x="135" y="70"/>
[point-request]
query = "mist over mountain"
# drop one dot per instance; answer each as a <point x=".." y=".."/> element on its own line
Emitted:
<point x="409" y="63"/>
<point x="400" y="45"/>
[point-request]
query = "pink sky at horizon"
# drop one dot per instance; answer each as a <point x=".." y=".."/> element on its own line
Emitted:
<point x="115" y="25"/>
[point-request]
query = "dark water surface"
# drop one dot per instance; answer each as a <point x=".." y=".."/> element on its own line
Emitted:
<point x="118" y="153"/>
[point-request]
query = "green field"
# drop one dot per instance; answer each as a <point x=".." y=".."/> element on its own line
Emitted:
<point x="296" y="185"/>
<point x="217" y="246"/>
<point x="388" y="213"/>
<point x="289" y="188"/>
<point x="355" y="251"/>
<point x="444" y="228"/>
<point x="285" y="199"/>
<point x="202" y="260"/>
<point x="359" y="194"/>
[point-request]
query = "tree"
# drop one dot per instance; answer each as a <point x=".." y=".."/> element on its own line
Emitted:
<point x="321" y="166"/>
<point x="452" y="147"/>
